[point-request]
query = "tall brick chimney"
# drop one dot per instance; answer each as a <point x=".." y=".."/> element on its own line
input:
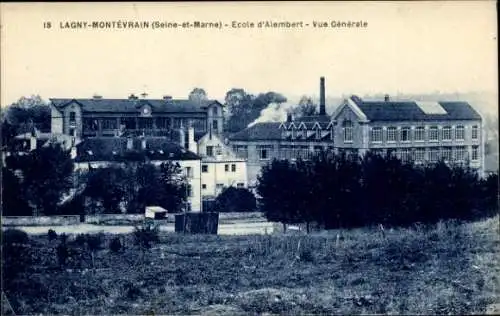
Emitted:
<point x="322" y="110"/>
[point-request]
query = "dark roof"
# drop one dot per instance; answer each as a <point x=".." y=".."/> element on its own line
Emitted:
<point x="133" y="105"/>
<point x="115" y="149"/>
<point x="409" y="111"/>
<point x="314" y="118"/>
<point x="259" y="131"/>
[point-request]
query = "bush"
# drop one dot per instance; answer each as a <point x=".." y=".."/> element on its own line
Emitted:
<point x="52" y="235"/>
<point x="236" y="200"/>
<point x="145" y="236"/>
<point x="16" y="254"/>
<point x="115" y="245"/>
<point x="13" y="236"/>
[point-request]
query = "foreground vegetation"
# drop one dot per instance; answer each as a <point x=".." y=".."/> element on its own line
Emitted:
<point x="439" y="269"/>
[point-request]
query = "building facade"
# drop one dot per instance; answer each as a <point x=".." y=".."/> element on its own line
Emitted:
<point x="220" y="167"/>
<point x="423" y="132"/>
<point x="98" y="116"/>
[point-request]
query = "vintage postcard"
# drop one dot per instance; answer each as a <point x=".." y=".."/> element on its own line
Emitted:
<point x="242" y="158"/>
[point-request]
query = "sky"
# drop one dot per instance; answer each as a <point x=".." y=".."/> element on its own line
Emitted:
<point x="407" y="47"/>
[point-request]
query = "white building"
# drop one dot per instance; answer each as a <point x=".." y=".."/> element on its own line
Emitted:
<point x="220" y="167"/>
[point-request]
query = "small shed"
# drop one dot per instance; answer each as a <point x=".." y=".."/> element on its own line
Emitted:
<point x="155" y="212"/>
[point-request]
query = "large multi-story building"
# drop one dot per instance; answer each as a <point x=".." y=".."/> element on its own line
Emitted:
<point x="420" y="131"/>
<point x="99" y="116"/>
<point x="412" y="130"/>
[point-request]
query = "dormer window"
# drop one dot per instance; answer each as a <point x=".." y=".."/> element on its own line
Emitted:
<point x="72" y="117"/>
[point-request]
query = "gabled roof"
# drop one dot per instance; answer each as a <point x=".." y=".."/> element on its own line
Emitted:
<point x="134" y="105"/>
<point x="259" y="131"/>
<point x="115" y="149"/>
<point x="410" y="111"/>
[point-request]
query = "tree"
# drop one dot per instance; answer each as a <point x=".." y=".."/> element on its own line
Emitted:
<point x="306" y="107"/>
<point x="244" y="108"/>
<point x="47" y="174"/>
<point x="29" y="112"/>
<point x="108" y="186"/>
<point x="13" y="199"/>
<point x="236" y="200"/>
<point x="198" y="95"/>
<point x="281" y="203"/>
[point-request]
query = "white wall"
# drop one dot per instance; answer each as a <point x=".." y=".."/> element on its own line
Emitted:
<point x="217" y="174"/>
<point x="56" y="121"/>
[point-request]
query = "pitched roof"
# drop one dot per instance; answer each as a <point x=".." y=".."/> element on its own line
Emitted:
<point x="115" y="149"/>
<point x="133" y="105"/>
<point x="410" y="110"/>
<point x="259" y="131"/>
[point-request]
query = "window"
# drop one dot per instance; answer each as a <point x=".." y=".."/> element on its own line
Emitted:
<point x="189" y="190"/>
<point x="460" y="153"/>
<point x="446" y="153"/>
<point x="210" y="151"/>
<point x="264" y="152"/>
<point x="317" y="132"/>
<point x="72" y="117"/>
<point x="215" y="125"/>
<point x="204" y="186"/>
<point x="404" y="154"/>
<point x="434" y="154"/>
<point x="226" y="168"/>
<point x="376" y="134"/>
<point x="219" y="186"/>
<point x="419" y="154"/>
<point x="405" y="134"/>
<point x="162" y="122"/>
<point x="475" y="153"/>
<point x="145" y="122"/>
<point x="189" y="172"/>
<point x="391" y="134"/>
<point x="204" y="168"/>
<point x="72" y="131"/>
<point x="108" y="124"/>
<point x="475" y="132"/>
<point x="447" y="133"/>
<point x="347" y="128"/>
<point x="214" y="111"/>
<point x="241" y="151"/>
<point x="420" y="133"/>
<point x="240" y="185"/>
<point x="433" y="133"/>
<point x="460" y="132"/>
<point x="233" y="168"/>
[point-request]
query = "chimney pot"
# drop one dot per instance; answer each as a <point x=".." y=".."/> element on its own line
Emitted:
<point x="322" y="109"/>
<point x="167" y="97"/>
<point x="132" y="97"/>
<point x="289" y="117"/>
<point x="387" y="98"/>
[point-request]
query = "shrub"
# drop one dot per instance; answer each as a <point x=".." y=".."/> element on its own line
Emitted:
<point x="236" y="200"/>
<point x="62" y="252"/>
<point x="52" y="235"/>
<point x="94" y="242"/>
<point x="115" y="245"/>
<point x="146" y="235"/>
<point x="15" y="236"/>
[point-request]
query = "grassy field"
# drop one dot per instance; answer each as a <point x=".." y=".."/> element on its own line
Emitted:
<point x="445" y="269"/>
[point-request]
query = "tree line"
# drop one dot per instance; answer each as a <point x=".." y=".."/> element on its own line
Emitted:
<point x="43" y="182"/>
<point x="336" y="191"/>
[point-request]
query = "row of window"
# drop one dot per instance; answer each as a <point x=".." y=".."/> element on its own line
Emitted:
<point x="92" y="124"/>
<point x="204" y="168"/>
<point x="220" y="186"/>
<point x="406" y="134"/>
<point x="434" y="154"/>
